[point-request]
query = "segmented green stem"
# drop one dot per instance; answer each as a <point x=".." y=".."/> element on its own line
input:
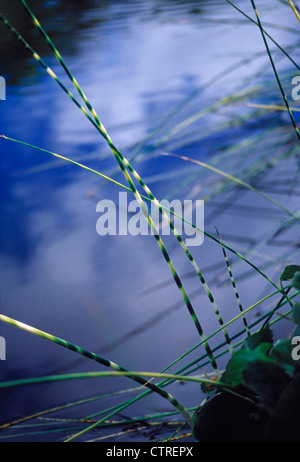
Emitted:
<point x="105" y="362"/>
<point x="123" y="163"/>
<point x="59" y="57"/>
<point x="210" y="236"/>
<point x="234" y="285"/>
<point x="123" y="159"/>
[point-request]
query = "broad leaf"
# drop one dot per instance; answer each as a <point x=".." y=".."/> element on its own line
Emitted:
<point x="296" y="280"/>
<point x="296" y="313"/>
<point x="239" y="360"/>
<point x="264" y="335"/>
<point x="266" y="379"/>
<point x="289" y="272"/>
<point x="282" y="354"/>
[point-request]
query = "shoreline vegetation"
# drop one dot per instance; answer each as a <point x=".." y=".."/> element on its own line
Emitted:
<point x="247" y="372"/>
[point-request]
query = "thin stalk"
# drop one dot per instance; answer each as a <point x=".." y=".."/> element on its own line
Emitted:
<point x="123" y="162"/>
<point x="237" y="254"/>
<point x="124" y="165"/>
<point x="97" y="374"/>
<point x="234" y="179"/>
<point x="275" y="71"/>
<point x="49" y="411"/>
<point x="234" y="286"/>
<point x="105" y="362"/>
<point x="266" y="33"/>
<point x="295" y="11"/>
<point x="272" y="107"/>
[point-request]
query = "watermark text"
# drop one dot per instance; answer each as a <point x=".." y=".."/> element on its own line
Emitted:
<point x="2" y="349"/>
<point x="125" y="218"/>
<point x="296" y="89"/>
<point x="2" y="88"/>
<point x="296" y="349"/>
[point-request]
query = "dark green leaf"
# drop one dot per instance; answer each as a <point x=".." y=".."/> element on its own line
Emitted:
<point x="295" y="332"/>
<point x="282" y="354"/>
<point x="296" y="280"/>
<point x="289" y="272"/>
<point x="264" y="335"/>
<point x="266" y="379"/>
<point x="233" y="372"/>
<point x="296" y="313"/>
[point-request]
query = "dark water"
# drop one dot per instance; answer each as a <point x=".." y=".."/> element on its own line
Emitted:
<point x="137" y="62"/>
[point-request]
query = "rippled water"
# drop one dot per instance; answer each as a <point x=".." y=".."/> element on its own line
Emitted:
<point x="137" y="62"/>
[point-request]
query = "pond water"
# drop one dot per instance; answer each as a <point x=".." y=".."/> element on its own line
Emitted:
<point x="149" y="69"/>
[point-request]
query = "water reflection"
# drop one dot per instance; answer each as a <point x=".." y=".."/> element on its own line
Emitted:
<point x="137" y="61"/>
<point x="69" y="24"/>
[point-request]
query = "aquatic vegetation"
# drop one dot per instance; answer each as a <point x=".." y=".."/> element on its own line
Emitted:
<point x="262" y="399"/>
<point x="248" y="372"/>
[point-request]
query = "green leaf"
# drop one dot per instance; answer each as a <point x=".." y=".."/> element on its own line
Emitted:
<point x="282" y="354"/>
<point x="296" y="280"/>
<point x="264" y="335"/>
<point x="289" y="272"/>
<point x="296" y="314"/>
<point x="239" y="360"/>
<point x="267" y="379"/>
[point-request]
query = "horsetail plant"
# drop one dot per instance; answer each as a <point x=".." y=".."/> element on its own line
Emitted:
<point x="105" y="362"/>
<point x="234" y="285"/>
<point x="124" y="164"/>
<point x="209" y="235"/>
<point x="128" y="403"/>
<point x="131" y="175"/>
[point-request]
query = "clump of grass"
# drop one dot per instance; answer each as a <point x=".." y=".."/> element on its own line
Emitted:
<point x="243" y="175"/>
